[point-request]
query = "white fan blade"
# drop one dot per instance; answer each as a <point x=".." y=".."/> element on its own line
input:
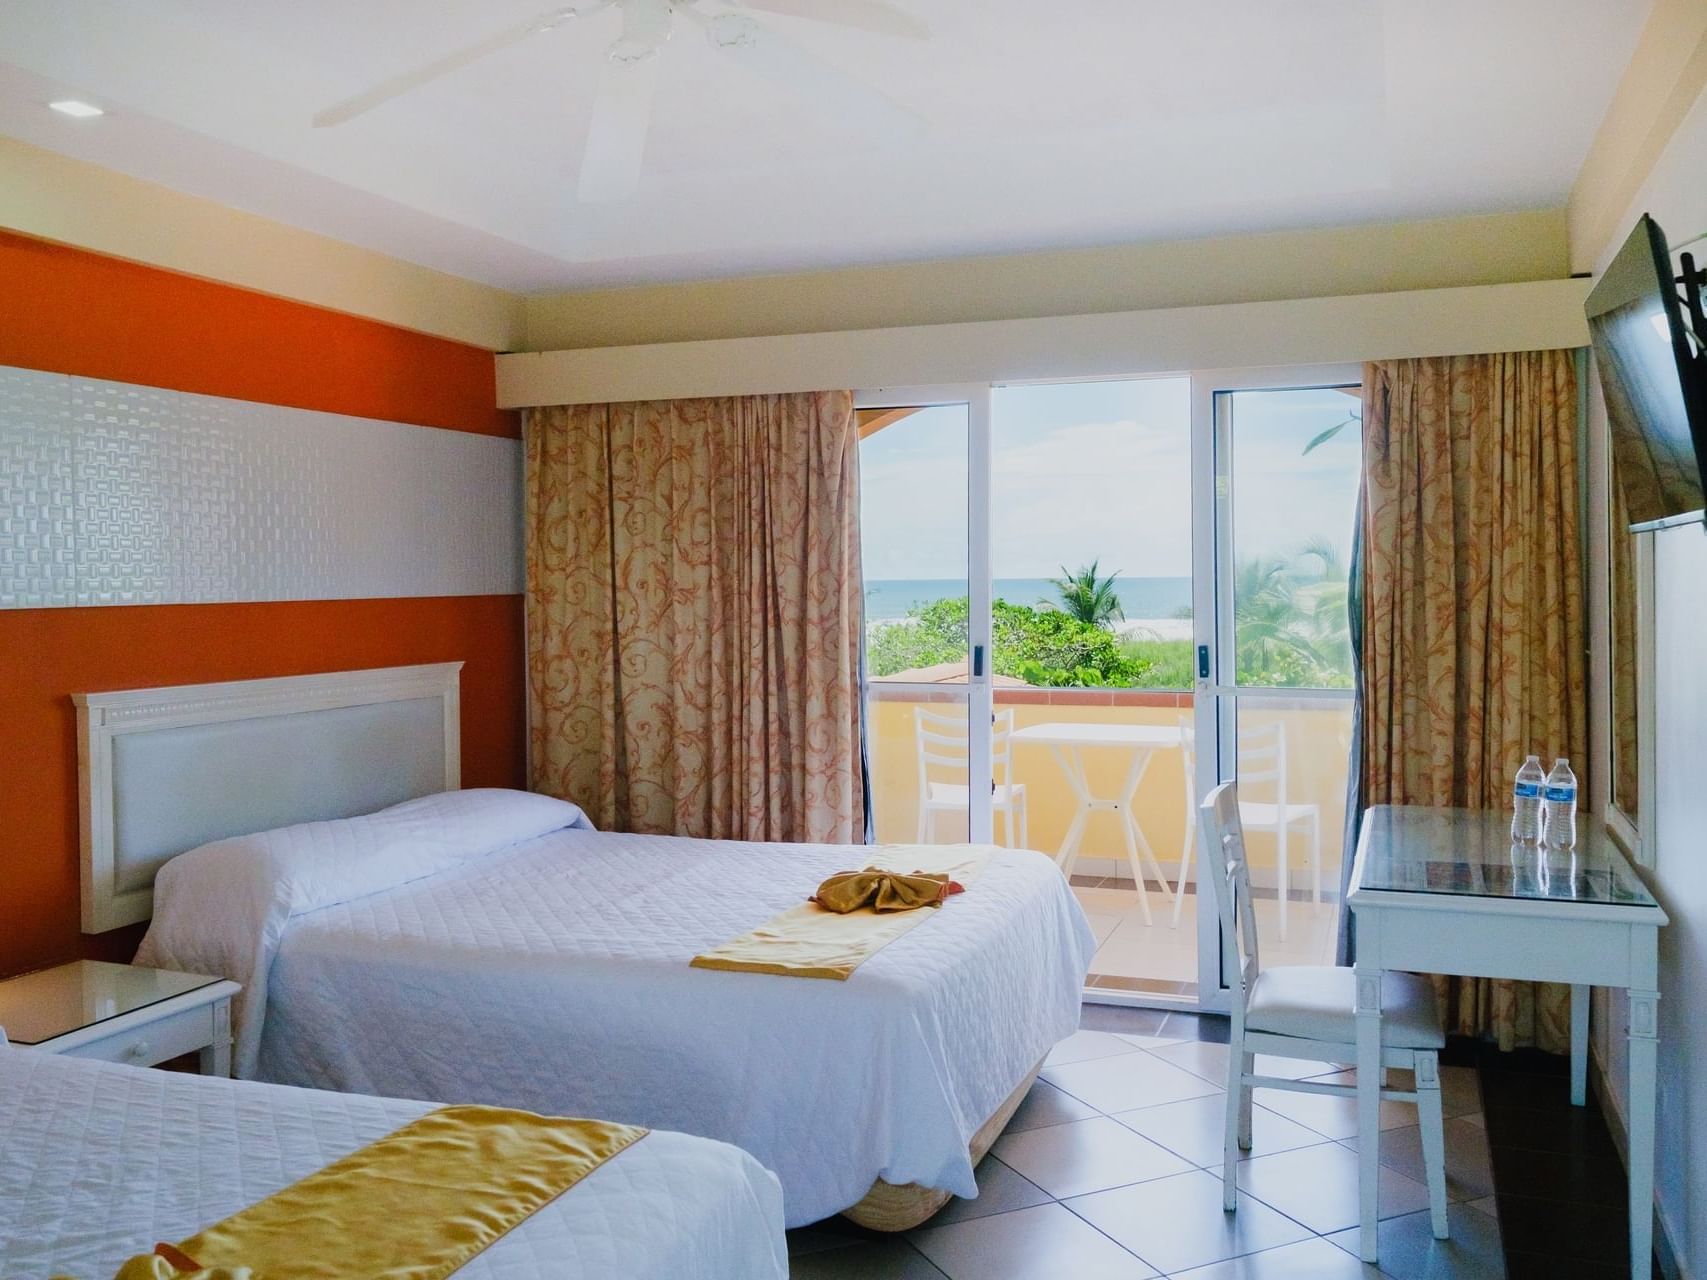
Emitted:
<point x="805" y="75"/>
<point x="616" y="139"/>
<point x="864" y="15"/>
<point x="395" y="87"/>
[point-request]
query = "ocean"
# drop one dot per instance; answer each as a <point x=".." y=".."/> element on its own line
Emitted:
<point x="887" y="599"/>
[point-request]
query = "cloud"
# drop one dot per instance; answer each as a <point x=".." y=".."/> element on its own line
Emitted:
<point x="1112" y="491"/>
<point x="1116" y="490"/>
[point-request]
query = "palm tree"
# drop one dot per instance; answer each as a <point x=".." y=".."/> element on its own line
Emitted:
<point x="1086" y="596"/>
<point x="1325" y="603"/>
<point x="1291" y="625"/>
<point x="1267" y="632"/>
<point x="1322" y="437"/>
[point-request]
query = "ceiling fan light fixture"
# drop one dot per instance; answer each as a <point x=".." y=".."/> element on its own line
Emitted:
<point x="646" y="26"/>
<point x="568" y="13"/>
<point x="733" y="31"/>
<point x="626" y="51"/>
<point x="622" y="104"/>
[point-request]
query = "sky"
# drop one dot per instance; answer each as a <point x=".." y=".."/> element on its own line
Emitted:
<point x="1084" y="471"/>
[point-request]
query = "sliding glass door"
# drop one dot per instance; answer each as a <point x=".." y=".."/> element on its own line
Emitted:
<point x="1274" y="704"/>
<point x="926" y="614"/>
<point x="1088" y="602"/>
<point x="1090" y="532"/>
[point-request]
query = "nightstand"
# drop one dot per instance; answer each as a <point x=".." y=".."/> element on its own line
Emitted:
<point x="120" y="1013"/>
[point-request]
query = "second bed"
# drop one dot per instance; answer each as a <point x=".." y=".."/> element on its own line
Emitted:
<point x="486" y="946"/>
<point x="99" y="1161"/>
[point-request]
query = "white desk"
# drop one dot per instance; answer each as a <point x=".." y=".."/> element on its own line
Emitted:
<point x="1068" y="742"/>
<point x="1445" y="891"/>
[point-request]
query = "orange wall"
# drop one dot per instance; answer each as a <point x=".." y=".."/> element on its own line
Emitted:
<point x="68" y="311"/>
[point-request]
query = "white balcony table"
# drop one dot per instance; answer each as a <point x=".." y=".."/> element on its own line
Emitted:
<point x="1446" y="891"/>
<point x="1068" y="742"/>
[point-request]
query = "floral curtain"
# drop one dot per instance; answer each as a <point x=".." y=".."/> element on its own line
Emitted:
<point x="694" y="613"/>
<point x="1474" y="648"/>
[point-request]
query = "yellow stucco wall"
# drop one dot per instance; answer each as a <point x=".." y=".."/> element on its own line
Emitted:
<point x="1317" y="743"/>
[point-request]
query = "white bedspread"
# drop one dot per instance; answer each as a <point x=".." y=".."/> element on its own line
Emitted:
<point x="554" y="975"/>
<point x="223" y="907"/>
<point x="98" y="1162"/>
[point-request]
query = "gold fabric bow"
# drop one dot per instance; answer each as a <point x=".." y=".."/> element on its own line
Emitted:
<point x="170" y="1263"/>
<point x="884" y="891"/>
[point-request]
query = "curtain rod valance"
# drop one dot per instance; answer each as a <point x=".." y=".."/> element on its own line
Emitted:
<point x="1537" y="315"/>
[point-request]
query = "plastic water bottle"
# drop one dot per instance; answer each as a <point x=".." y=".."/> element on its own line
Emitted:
<point x="1526" y="802"/>
<point x="1559" y="805"/>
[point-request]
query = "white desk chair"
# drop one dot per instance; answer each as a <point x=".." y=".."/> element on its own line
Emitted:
<point x="942" y="748"/>
<point x="1309" y="1012"/>
<point x="1262" y="759"/>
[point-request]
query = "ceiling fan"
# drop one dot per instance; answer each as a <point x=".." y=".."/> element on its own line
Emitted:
<point x="622" y="109"/>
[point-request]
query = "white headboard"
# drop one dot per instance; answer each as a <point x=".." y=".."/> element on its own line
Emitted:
<point x="165" y="770"/>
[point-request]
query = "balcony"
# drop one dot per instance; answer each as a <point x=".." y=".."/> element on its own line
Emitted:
<point x="1158" y="957"/>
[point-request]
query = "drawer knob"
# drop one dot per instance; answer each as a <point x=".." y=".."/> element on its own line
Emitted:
<point x="138" y="1050"/>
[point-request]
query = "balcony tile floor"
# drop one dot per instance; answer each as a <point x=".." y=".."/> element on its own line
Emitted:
<point x="1159" y="956"/>
<point x="1111" y="1169"/>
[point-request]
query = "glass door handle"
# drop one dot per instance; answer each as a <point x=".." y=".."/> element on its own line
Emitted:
<point x="977" y="662"/>
<point x="1203" y="662"/>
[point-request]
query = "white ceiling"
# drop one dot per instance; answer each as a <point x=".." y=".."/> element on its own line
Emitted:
<point x="1051" y="123"/>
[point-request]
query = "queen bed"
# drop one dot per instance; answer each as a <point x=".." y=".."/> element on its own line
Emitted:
<point x="99" y="1161"/>
<point x="488" y="946"/>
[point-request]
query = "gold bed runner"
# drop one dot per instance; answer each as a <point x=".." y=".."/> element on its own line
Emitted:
<point x="415" y="1205"/>
<point x="806" y="941"/>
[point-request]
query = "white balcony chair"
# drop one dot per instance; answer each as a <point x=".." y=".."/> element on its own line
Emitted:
<point x="1309" y="1012"/>
<point x="942" y="749"/>
<point x="1262" y="760"/>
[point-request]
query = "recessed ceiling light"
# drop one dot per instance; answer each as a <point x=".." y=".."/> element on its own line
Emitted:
<point x="72" y="107"/>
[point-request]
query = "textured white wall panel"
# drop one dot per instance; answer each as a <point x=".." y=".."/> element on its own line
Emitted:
<point x="118" y="494"/>
<point x="37" y="539"/>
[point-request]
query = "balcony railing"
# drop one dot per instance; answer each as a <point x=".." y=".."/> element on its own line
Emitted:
<point x="1316" y="735"/>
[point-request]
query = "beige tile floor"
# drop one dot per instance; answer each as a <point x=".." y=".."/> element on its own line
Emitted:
<point x="1111" y="1171"/>
<point x="1132" y="955"/>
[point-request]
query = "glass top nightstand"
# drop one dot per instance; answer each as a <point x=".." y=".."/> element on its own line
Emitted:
<point x="120" y="1012"/>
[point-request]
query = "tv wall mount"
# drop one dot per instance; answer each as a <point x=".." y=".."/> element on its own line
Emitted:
<point x="1692" y="279"/>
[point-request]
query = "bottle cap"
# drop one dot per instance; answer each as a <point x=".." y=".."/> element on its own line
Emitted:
<point x="1527" y="759"/>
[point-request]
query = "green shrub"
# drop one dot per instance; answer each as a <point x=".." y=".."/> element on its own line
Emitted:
<point x="1170" y="662"/>
<point x="1290" y="630"/>
<point x="1044" y="647"/>
<point x="931" y="634"/>
<point x="1054" y="649"/>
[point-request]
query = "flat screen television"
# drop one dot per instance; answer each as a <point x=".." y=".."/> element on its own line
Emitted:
<point x="1646" y="325"/>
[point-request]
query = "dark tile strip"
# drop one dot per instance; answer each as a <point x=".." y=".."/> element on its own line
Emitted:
<point x="1118" y="1018"/>
<point x="1153" y="1022"/>
<point x="1559" y="1185"/>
